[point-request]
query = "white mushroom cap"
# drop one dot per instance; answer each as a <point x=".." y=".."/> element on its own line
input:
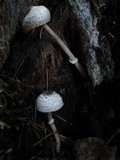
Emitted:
<point x="49" y="101"/>
<point x="37" y="16"/>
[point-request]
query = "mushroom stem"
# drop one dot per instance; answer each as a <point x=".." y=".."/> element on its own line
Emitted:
<point x="72" y="58"/>
<point x="54" y="129"/>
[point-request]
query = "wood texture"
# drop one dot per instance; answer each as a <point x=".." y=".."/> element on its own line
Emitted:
<point x="11" y="13"/>
<point x="95" y="47"/>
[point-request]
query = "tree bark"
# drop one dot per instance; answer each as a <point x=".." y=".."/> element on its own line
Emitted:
<point x="11" y="13"/>
<point x="95" y="47"/>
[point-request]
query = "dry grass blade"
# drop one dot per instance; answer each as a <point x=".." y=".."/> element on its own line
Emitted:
<point x="62" y="119"/>
<point x="17" y="81"/>
<point x="41" y="140"/>
<point x="18" y="68"/>
<point x="65" y="139"/>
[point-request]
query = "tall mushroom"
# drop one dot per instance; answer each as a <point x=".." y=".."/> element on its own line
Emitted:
<point x="48" y="102"/>
<point x="40" y="16"/>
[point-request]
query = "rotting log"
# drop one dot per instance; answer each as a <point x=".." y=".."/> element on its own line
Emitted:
<point x="96" y="49"/>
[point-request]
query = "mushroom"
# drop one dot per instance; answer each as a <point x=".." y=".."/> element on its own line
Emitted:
<point x="48" y="102"/>
<point x="40" y="16"/>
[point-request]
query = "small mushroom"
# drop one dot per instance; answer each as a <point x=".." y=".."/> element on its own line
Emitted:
<point x="48" y="102"/>
<point x="40" y="16"/>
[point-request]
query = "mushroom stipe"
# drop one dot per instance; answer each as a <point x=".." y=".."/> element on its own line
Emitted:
<point x="48" y="102"/>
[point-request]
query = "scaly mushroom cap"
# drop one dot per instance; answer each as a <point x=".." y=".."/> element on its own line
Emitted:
<point x="49" y="101"/>
<point x="37" y="16"/>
